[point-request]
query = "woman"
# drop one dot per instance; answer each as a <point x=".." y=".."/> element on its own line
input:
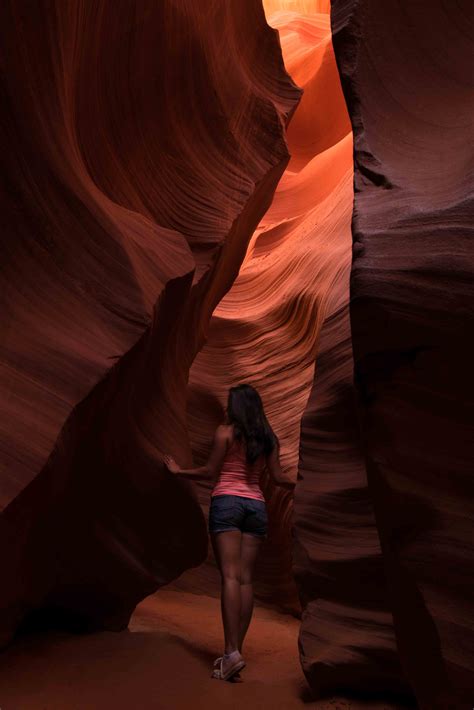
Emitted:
<point x="243" y="446"/>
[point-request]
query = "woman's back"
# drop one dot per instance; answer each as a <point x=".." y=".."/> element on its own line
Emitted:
<point x="236" y="476"/>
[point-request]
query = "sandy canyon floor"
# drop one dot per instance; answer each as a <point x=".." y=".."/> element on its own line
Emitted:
<point x="163" y="661"/>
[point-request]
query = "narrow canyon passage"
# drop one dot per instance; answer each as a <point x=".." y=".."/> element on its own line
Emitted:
<point x="265" y="330"/>
<point x="272" y="192"/>
<point x="288" y="306"/>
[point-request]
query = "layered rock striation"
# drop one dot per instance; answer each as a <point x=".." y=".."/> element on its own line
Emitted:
<point x="151" y="214"/>
<point x="129" y="196"/>
<point x="266" y="329"/>
<point x="405" y="75"/>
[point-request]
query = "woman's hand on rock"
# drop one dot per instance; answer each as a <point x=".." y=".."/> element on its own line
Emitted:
<point x="171" y="464"/>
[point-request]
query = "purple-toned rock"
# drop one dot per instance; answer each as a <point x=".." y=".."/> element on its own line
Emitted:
<point x="406" y="75"/>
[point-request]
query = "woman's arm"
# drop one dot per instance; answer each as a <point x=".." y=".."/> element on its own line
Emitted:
<point x="214" y="462"/>
<point x="275" y="470"/>
<point x="171" y="465"/>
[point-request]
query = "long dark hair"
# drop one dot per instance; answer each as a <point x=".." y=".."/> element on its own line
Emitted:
<point x="245" y="411"/>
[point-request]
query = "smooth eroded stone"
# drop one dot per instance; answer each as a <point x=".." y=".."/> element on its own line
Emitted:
<point x="141" y="144"/>
<point x="406" y="74"/>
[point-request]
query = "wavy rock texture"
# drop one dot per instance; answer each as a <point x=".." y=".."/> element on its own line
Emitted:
<point x="129" y="197"/>
<point x="409" y="90"/>
<point x="346" y="637"/>
<point x="266" y="329"/>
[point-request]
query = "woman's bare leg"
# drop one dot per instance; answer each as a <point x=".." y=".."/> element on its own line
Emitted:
<point x="250" y="546"/>
<point x="226" y="547"/>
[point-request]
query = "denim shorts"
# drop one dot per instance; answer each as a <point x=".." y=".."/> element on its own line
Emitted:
<point x="229" y="512"/>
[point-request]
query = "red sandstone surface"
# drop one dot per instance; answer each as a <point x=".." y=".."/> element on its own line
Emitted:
<point x="165" y="239"/>
<point x="408" y="80"/>
<point x="132" y="194"/>
<point x="289" y="303"/>
<point x="266" y="328"/>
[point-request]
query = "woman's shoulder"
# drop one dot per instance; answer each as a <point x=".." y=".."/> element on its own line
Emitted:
<point x="225" y="431"/>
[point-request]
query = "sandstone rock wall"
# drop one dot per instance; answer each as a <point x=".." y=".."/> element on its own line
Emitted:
<point x="130" y="191"/>
<point x="406" y="75"/>
<point x="266" y="329"/>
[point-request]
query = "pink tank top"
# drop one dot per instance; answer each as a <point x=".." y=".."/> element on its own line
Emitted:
<point x="237" y="477"/>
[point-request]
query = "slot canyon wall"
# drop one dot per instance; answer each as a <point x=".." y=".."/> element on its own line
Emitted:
<point x="289" y="305"/>
<point x="165" y="239"/>
<point x="129" y="196"/>
<point x="407" y="77"/>
<point x="265" y="330"/>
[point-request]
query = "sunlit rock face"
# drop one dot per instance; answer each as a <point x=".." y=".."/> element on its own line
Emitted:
<point x="265" y="331"/>
<point x="129" y="198"/>
<point x="408" y="86"/>
<point x="346" y="637"/>
<point x="288" y="305"/>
